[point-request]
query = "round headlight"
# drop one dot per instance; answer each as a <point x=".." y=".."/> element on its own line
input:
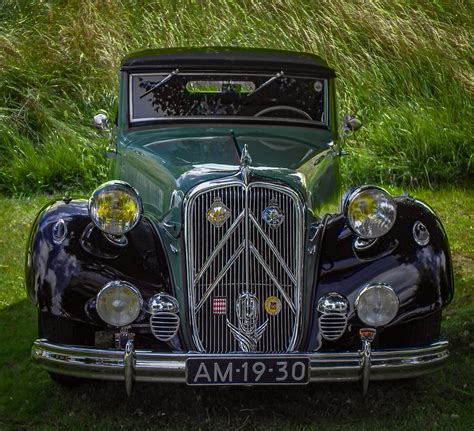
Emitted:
<point x="119" y="303"/>
<point x="370" y="212"/>
<point x="377" y="304"/>
<point x="115" y="207"/>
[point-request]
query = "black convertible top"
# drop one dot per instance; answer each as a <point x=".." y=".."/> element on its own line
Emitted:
<point x="225" y="58"/>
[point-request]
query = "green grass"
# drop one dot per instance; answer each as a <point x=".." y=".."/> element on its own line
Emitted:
<point x="29" y="400"/>
<point x="404" y="67"/>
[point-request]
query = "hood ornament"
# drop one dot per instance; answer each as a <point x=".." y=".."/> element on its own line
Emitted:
<point x="245" y="161"/>
<point x="248" y="334"/>
<point x="245" y="158"/>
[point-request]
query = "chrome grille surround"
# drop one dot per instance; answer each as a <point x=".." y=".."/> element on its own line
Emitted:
<point x="245" y="255"/>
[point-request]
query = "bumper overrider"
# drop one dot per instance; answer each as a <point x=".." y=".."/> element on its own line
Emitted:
<point x="131" y="365"/>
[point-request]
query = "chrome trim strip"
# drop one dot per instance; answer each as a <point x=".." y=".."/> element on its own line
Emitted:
<point x="219" y="246"/>
<point x="234" y="187"/>
<point x="110" y="364"/>
<point x="274" y="279"/>
<point x="229" y="263"/>
<point x="274" y="249"/>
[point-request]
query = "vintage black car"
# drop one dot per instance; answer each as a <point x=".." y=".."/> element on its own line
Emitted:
<point x="224" y="250"/>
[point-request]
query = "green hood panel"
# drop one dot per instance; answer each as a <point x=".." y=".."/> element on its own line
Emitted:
<point x="163" y="164"/>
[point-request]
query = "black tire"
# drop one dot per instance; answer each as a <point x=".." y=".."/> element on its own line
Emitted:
<point x="64" y="331"/>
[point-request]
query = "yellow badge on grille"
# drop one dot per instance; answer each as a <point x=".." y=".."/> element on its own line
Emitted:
<point x="272" y="305"/>
<point x="218" y="213"/>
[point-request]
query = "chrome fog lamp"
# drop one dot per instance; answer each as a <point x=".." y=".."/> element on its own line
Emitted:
<point x="370" y="212"/>
<point x="119" y="303"/>
<point x="377" y="304"/>
<point x="162" y="302"/>
<point x="115" y="207"/>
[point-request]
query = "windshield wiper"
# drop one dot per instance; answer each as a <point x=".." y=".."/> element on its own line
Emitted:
<point x="160" y="83"/>
<point x="267" y="82"/>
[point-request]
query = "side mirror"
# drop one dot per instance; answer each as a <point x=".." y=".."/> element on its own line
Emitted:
<point x="100" y="122"/>
<point x="351" y="124"/>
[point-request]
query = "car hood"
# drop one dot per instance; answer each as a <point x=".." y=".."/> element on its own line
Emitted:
<point x="164" y="165"/>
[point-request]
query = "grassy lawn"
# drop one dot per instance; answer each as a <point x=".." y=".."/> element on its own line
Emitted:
<point x="30" y="400"/>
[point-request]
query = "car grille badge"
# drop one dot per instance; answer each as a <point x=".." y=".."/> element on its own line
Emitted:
<point x="248" y="333"/>
<point x="218" y="213"/>
<point x="273" y="215"/>
<point x="219" y="305"/>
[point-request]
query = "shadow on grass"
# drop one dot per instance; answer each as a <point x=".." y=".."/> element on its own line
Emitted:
<point x="30" y="399"/>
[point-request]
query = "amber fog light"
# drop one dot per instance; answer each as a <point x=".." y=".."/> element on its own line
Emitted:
<point x="119" y="303"/>
<point x="377" y="304"/>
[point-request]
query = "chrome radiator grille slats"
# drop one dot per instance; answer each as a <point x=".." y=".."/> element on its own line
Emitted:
<point x="244" y="255"/>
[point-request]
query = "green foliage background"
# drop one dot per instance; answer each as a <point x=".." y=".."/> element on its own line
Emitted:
<point x="404" y="67"/>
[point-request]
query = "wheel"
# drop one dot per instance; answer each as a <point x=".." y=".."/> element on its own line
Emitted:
<point x="291" y="109"/>
<point x="64" y="331"/>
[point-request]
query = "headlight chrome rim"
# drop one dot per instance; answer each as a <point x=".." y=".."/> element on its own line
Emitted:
<point x="353" y="195"/>
<point x="115" y="185"/>
<point x="364" y="292"/>
<point x="114" y="285"/>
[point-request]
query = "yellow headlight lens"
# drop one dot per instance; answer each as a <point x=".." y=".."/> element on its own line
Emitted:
<point x="370" y="212"/>
<point x="115" y="207"/>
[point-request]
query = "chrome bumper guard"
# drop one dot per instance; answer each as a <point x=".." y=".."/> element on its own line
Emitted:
<point x="131" y="365"/>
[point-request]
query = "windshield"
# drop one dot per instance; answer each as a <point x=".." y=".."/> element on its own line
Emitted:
<point x="271" y="97"/>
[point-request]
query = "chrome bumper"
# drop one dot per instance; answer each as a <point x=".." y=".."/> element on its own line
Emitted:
<point x="146" y="366"/>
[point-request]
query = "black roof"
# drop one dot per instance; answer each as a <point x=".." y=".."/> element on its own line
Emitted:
<point x="226" y="58"/>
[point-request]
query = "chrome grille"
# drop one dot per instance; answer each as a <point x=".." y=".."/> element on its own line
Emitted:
<point x="244" y="256"/>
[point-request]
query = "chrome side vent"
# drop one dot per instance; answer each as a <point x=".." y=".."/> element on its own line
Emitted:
<point x="333" y="310"/>
<point x="164" y="325"/>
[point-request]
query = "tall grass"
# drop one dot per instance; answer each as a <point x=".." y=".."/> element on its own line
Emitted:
<point x="404" y="67"/>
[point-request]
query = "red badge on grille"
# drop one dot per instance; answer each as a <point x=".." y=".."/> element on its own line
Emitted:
<point x="219" y="305"/>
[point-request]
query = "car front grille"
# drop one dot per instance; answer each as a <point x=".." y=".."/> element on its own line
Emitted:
<point x="244" y="262"/>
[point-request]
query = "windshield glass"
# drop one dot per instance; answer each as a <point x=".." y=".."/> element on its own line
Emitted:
<point x="272" y="97"/>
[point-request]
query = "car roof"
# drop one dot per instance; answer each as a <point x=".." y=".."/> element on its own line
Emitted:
<point x="228" y="59"/>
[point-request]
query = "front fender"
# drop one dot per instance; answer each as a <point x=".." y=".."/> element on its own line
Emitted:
<point x="64" y="277"/>
<point x="422" y="277"/>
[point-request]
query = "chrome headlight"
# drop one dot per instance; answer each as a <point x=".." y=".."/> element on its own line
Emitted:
<point x="119" y="303"/>
<point x="370" y="212"/>
<point x="377" y="304"/>
<point x="115" y="207"/>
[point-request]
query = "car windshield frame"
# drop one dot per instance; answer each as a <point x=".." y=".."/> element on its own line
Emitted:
<point x="137" y="121"/>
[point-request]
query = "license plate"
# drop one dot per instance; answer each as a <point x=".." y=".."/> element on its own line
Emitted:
<point x="247" y="371"/>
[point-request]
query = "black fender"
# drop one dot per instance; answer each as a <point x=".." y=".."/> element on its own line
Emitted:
<point x="421" y="276"/>
<point x="63" y="277"/>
